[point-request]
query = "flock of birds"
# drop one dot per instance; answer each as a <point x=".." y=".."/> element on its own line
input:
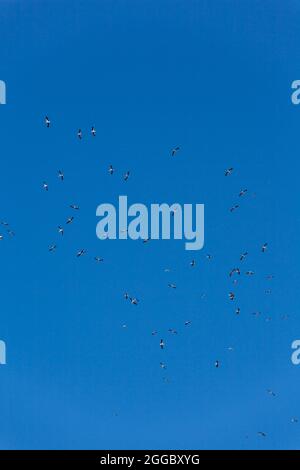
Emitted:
<point x="233" y="274"/>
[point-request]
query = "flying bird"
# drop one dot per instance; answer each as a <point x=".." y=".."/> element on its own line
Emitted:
<point x="60" y="230"/>
<point x="47" y="121"/>
<point x="133" y="300"/>
<point x="243" y="256"/>
<point x="233" y="208"/>
<point x="174" y="151"/>
<point x="45" y="186"/>
<point x="52" y="248"/>
<point x="193" y="263"/>
<point x="93" y="131"/>
<point x="262" y="434"/>
<point x="162" y="344"/>
<point x="228" y="172"/>
<point x="231" y="295"/>
<point x="162" y="365"/>
<point x="270" y="392"/>
<point x="80" y="253"/>
<point x="79" y="134"/>
<point x="237" y="311"/>
<point x="98" y="259"/>
<point x="217" y="364"/>
<point x="111" y="170"/>
<point x="126" y="296"/>
<point x="70" y="220"/>
<point x="75" y="207"/>
<point x="242" y="192"/>
<point x="264" y="247"/>
<point x="187" y="323"/>
<point x="249" y="273"/>
<point x="126" y="176"/>
<point x="172" y="331"/>
<point x="172" y="286"/>
<point x="234" y="271"/>
<point x="61" y="176"/>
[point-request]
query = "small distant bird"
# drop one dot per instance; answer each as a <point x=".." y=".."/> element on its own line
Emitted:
<point x="126" y="296"/>
<point x="264" y="247"/>
<point x="93" y="131"/>
<point x="146" y="240"/>
<point x="217" y="364"/>
<point x="193" y="263"/>
<point x="45" y="186"/>
<point x="228" y="172"/>
<point x="187" y="322"/>
<point x="231" y="295"/>
<point x="262" y="434"/>
<point x="209" y="257"/>
<point x="98" y="259"/>
<point x="242" y="192"/>
<point x="174" y="151"/>
<point x="237" y="311"/>
<point x="60" y="230"/>
<point x="270" y="392"/>
<point x="79" y="134"/>
<point x="47" y="121"/>
<point x="162" y="365"/>
<point x="249" y="273"/>
<point x="133" y="300"/>
<point x="74" y="206"/>
<point x="243" y="256"/>
<point x="5" y="224"/>
<point x="61" y="176"/>
<point x="111" y="170"/>
<point x="172" y="331"/>
<point x="233" y="208"/>
<point x="172" y="286"/>
<point x="52" y="247"/>
<point x="80" y="253"/>
<point x="126" y="176"/>
<point x="234" y="271"/>
<point x="70" y="220"/>
<point x="154" y="332"/>
<point x="162" y="344"/>
<point x="294" y="420"/>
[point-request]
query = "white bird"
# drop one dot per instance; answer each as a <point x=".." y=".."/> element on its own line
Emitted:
<point x="242" y="192"/>
<point x="70" y="220"/>
<point x="98" y="259"/>
<point x="217" y="364"/>
<point x="79" y="134"/>
<point x="60" y="230"/>
<point x="126" y="176"/>
<point x="45" y="186"/>
<point x="133" y="300"/>
<point x="111" y="170"/>
<point x="231" y="295"/>
<point x="163" y="365"/>
<point x="172" y="286"/>
<point x="174" y="151"/>
<point x="47" y="121"/>
<point x="52" y="247"/>
<point x="162" y="344"/>
<point x="187" y="323"/>
<point x="193" y="263"/>
<point x="126" y="296"/>
<point x="264" y="247"/>
<point x="75" y="207"/>
<point x="93" y="131"/>
<point x="61" y="175"/>
<point x="238" y="311"/>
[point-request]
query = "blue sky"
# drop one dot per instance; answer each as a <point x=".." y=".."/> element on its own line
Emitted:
<point x="213" y="78"/>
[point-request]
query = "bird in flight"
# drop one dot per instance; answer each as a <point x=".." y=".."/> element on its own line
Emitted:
<point x="133" y="300"/>
<point x="126" y="176"/>
<point x="243" y="256"/>
<point x="217" y="364"/>
<point x="264" y="247"/>
<point x="98" y="259"/>
<point x="47" y="121"/>
<point x="242" y="192"/>
<point x="52" y="248"/>
<point x="126" y="296"/>
<point x="238" y="311"/>
<point x="111" y="170"/>
<point x="234" y="271"/>
<point x="45" y="186"/>
<point x="262" y="434"/>
<point x="74" y="206"/>
<point x="60" y="230"/>
<point x="162" y="344"/>
<point x="231" y="295"/>
<point x="93" y="131"/>
<point x="193" y="263"/>
<point x="249" y="273"/>
<point x="70" y="220"/>
<point x="174" y="151"/>
<point x="187" y="322"/>
<point x="233" y="208"/>
<point x="80" y="253"/>
<point x="172" y="331"/>
<point x="228" y="172"/>
<point x="294" y="420"/>
<point x="162" y="365"/>
<point x="172" y="286"/>
<point x="60" y="175"/>
<point x="79" y="134"/>
<point x="270" y="392"/>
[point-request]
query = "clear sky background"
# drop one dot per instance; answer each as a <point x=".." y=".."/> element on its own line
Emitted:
<point x="213" y="77"/>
